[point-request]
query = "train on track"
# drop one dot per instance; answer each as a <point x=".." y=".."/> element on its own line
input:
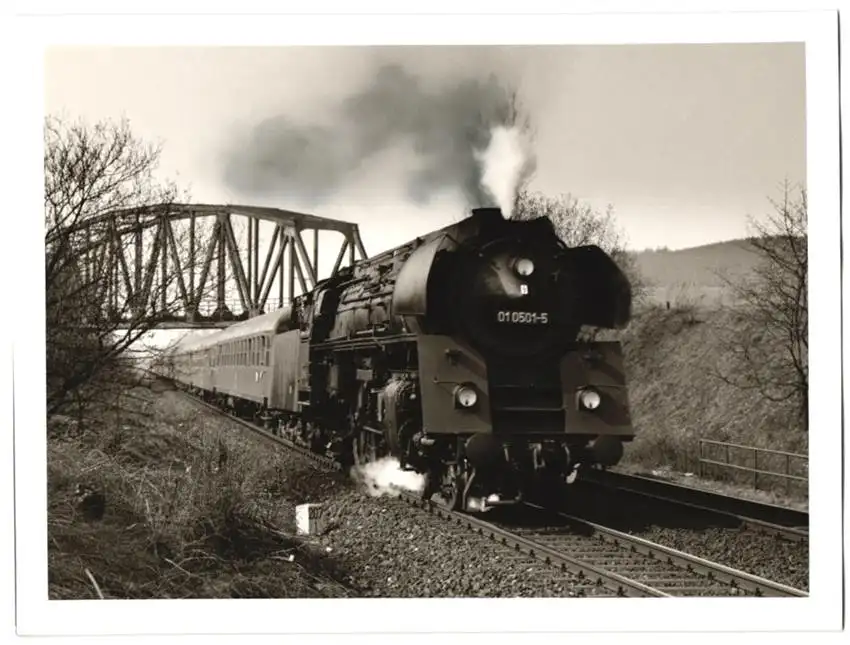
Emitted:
<point x="458" y="353"/>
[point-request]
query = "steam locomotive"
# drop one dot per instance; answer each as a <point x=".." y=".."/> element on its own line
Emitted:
<point x="458" y="353"/>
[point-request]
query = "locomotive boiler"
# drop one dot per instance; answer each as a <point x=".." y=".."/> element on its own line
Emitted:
<point x="459" y="354"/>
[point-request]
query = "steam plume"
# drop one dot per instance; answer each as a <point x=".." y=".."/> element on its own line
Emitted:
<point x="385" y="477"/>
<point x="466" y="135"/>
<point x="508" y="162"/>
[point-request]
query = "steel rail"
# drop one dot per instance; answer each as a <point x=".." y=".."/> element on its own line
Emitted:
<point x="621" y="585"/>
<point x="329" y="463"/>
<point x="712" y="570"/>
<point x="767" y="518"/>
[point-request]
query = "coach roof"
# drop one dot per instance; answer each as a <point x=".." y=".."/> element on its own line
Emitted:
<point x="263" y="324"/>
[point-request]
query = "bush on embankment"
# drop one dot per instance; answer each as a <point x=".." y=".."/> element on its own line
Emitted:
<point x="191" y="511"/>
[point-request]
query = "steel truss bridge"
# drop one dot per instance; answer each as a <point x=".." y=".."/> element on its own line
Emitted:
<point x="199" y="265"/>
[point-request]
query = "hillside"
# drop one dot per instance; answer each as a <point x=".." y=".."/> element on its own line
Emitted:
<point x="697" y="265"/>
<point x="695" y="275"/>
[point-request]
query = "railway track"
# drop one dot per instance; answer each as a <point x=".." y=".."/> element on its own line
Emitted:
<point x="603" y="558"/>
<point x="625" y="564"/>
<point x="758" y="516"/>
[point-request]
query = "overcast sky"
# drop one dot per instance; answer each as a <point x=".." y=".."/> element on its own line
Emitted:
<point x="684" y="141"/>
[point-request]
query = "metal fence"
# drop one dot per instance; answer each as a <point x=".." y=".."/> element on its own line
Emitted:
<point x="762" y="464"/>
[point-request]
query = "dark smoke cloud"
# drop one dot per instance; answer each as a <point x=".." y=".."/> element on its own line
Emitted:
<point x="444" y="126"/>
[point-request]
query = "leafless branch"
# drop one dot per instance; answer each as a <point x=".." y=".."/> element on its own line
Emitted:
<point x="776" y="300"/>
<point x="91" y="171"/>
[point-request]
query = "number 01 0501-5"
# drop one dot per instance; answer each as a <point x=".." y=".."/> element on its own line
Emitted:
<point x="523" y="317"/>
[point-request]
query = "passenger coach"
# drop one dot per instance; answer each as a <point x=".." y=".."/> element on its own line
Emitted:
<point x="237" y="364"/>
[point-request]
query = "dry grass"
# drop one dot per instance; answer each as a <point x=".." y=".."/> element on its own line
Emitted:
<point x="191" y="512"/>
<point x="676" y="398"/>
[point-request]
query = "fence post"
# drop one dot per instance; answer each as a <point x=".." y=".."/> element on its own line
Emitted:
<point x="787" y="472"/>
<point x="755" y="468"/>
<point x="699" y="462"/>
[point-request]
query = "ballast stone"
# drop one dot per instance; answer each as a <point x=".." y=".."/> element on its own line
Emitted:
<point x="309" y="519"/>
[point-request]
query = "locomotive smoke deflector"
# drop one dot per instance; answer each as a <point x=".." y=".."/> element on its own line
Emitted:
<point x="410" y="297"/>
<point x="598" y="287"/>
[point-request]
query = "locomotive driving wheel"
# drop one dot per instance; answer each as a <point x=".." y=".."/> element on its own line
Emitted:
<point x="450" y="490"/>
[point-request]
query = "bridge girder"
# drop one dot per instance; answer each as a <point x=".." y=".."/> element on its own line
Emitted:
<point x="165" y="253"/>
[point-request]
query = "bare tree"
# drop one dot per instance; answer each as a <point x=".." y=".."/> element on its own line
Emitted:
<point x="774" y="361"/>
<point x="579" y="224"/>
<point x="89" y="173"/>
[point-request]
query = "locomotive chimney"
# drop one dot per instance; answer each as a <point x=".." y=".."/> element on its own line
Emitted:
<point x="488" y="214"/>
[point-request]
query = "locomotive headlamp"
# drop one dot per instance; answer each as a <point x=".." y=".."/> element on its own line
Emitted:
<point x="524" y="267"/>
<point x="466" y="396"/>
<point x="589" y="398"/>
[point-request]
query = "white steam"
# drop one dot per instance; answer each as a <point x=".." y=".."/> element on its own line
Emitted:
<point x="385" y="477"/>
<point x="507" y="163"/>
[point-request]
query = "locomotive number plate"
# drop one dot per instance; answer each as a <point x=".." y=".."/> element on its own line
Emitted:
<point x="523" y="317"/>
